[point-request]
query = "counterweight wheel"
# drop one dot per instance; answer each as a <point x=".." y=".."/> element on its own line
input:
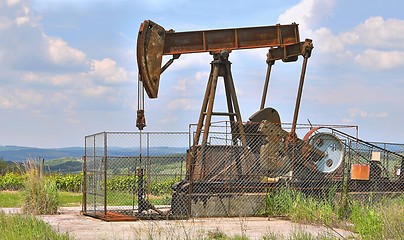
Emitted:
<point x="333" y="150"/>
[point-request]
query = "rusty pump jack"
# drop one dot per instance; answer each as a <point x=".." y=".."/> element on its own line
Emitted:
<point x="154" y="41"/>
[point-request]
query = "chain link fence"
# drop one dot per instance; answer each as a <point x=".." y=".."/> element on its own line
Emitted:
<point x="129" y="172"/>
<point x="236" y="173"/>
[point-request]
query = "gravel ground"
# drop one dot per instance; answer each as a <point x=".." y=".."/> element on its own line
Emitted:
<point x="82" y="227"/>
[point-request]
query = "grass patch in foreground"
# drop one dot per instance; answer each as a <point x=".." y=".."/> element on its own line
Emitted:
<point x="297" y="234"/>
<point x="376" y="219"/>
<point x="16" y="227"/>
<point x="10" y="199"/>
<point x="70" y="199"/>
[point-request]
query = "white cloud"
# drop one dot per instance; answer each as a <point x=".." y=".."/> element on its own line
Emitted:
<point x="4" y="22"/>
<point x="186" y="84"/>
<point x="376" y="43"/>
<point x="60" y="52"/>
<point x="53" y="79"/>
<point x="12" y="2"/>
<point x="30" y="77"/>
<point x="181" y="104"/>
<point x="327" y="41"/>
<point x="108" y="71"/>
<point x="187" y="61"/>
<point x="307" y="12"/>
<point x="21" y="20"/>
<point x="73" y="120"/>
<point x="201" y="75"/>
<point x="374" y="59"/>
<point x="62" y="79"/>
<point x="20" y="99"/>
<point x="358" y="113"/>
<point x="377" y="32"/>
<point x="95" y="91"/>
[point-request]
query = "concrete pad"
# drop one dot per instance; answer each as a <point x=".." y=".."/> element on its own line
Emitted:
<point x="82" y="227"/>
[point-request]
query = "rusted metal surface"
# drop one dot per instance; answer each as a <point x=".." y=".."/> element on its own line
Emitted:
<point x="230" y="39"/>
<point x="154" y="42"/>
<point x="150" y="45"/>
<point x="307" y="47"/>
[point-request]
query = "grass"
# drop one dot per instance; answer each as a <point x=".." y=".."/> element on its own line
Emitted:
<point x="300" y="208"/>
<point x="370" y="220"/>
<point x="70" y="199"/>
<point x="392" y="218"/>
<point x="40" y="194"/>
<point x="11" y="199"/>
<point x="379" y="220"/>
<point x="155" y="230"/>
<point x="16" y="227"/>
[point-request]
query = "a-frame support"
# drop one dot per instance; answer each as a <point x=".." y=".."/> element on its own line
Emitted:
<point x="220" y="67"/>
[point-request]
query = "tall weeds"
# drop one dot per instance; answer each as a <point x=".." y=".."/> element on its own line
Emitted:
<point x="369" y="220"/>
<point x="298" y="207"/>
<point x="40" y="194"/>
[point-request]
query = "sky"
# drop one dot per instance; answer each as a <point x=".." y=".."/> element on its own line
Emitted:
<point x="68" y="67"/>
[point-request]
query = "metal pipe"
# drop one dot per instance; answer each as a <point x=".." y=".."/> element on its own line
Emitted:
<point x="105" y="173"/>
<point x="299" y="96"/>
<point x="265" y="90"/>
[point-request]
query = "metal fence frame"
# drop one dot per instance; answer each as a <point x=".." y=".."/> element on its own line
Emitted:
<point x="224" y="184"/>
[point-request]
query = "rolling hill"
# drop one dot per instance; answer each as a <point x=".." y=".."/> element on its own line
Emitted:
<point x="20" y="154"/>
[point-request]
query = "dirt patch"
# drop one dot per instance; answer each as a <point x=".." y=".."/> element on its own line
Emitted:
<point x="83" y="227"/>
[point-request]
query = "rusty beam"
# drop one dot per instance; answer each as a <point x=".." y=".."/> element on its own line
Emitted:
<point x="230" y="39"/>
<point x="154" y="42"/>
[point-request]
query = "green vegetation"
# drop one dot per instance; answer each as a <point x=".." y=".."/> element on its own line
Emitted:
<point x="40" y="193"/>
<point x="391" y="212"/>
<point x="70" y="199"/>
<point x="10" y="199"/>
<point x="300" y="208"/>
<point x="370" y="220"/>
<point x="8" y="166"/>
<point x="65" y="165"/>
<point x="68" y="182"/>
<point x="299" y="235"/>
<point x="379" y="220"/>
<point x="12" y="181"/>
<point x="16" y="227"/>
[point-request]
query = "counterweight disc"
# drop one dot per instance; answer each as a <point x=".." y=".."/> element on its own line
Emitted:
<point x="333" y="149"/>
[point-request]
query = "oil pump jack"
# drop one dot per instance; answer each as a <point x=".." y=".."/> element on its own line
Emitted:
<point x="203" y="169"/>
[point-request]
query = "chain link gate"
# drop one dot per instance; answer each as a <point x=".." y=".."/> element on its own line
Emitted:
<point x="128" y="175"/>
<point x="160" y="175"/>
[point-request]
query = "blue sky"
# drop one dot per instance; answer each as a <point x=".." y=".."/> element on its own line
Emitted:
<point x="68" y="67"/>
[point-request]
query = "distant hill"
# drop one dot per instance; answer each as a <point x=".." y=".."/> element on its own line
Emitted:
<point x="20" y="154"/>
<point x="64" y="165"/>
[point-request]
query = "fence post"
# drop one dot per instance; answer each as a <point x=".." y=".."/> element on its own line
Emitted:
<point x="84" y="189"/>
<point x="105" y="173"/>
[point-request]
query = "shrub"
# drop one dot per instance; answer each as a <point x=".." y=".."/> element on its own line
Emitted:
<point x="162" y="187"/>
<point x="299" y="207"/>
<point x="367" y="221"/>
<point x="69" y="182"/>
<point x="122" y="183"/>
<point x="280" y="202"/>
<point x="12" y="181"/>
<point x="40" y="194"/>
